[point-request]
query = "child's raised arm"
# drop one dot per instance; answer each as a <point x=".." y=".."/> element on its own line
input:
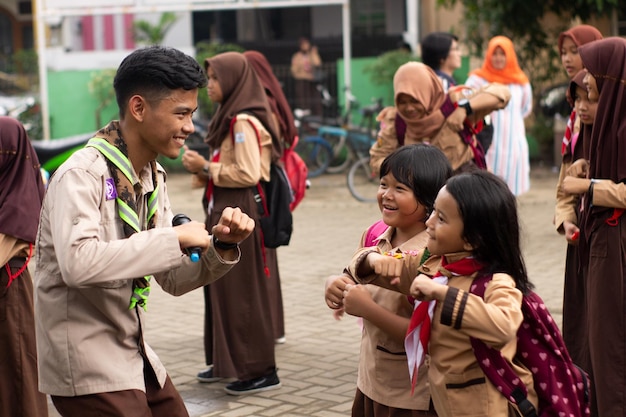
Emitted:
<point x="394" y="271"/>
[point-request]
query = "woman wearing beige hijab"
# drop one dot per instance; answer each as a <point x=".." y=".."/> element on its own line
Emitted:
<point x="424" y="113"/>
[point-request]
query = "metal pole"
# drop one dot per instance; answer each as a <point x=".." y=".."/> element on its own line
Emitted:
<point x="347" y="49"/>
<point x="412" y="23"/>
<point x="40" y="37"/>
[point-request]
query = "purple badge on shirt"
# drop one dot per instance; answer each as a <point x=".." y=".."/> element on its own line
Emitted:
<point x="111" y="191"/>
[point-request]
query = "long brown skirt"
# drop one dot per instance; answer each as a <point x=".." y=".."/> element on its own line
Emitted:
<point x="19" y="395"/>
<point x="241" y="343"/>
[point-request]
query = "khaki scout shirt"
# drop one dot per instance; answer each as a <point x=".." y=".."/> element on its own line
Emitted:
<point x="87" y="338"/>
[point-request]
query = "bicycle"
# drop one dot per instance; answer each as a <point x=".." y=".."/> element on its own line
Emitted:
<point x="362" y="181"/>
<point x="337" y="137"/>
<point x="314" y="151"/>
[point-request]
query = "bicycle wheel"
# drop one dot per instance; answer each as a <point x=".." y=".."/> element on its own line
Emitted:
<point x="362" y="182"/>
<point x="316" y="154"/>
<point x="341" y="155"/>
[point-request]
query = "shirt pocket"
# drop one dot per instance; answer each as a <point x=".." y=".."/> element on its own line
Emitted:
<point x="467" y="393"/>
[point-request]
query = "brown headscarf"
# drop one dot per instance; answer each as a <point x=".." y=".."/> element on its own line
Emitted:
<point x="276" y="96"/>
<point x="420" y="82"/>
<point x="511" y="73"/>
<point x="242" y="93"/>
<point x="606" y="60"/>
<point x="580" y="35"/>
<point x="21" y="185"/>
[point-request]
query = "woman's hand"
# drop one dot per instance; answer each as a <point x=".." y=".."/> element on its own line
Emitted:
<point x="572" y="232"/>
<point x="456" y="119"/>
<point x="579" y="168"/>
<point x="192" y="160"/>
<point x="575" y="185"/>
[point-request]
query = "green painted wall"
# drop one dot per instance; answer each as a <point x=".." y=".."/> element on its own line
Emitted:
<point x="72" y="107"/>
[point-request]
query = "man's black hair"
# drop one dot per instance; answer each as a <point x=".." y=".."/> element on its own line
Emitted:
<point x="153" y="72"/>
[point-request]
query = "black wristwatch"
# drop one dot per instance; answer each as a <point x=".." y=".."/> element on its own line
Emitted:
<point x="223" y="245"/>
<point x="466" y="105"/>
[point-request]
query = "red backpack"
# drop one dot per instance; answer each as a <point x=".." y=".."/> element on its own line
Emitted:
<point x="562" y="387"/>
<point x="297" y="172"/>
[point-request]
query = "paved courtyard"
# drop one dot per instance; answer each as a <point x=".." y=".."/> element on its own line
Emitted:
<point x="317" y="365"/>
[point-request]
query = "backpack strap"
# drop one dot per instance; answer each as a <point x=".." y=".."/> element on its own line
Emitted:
<point x="495" y="366"/>
<point x="400" y="125"/>
<point x="373" y="232"/>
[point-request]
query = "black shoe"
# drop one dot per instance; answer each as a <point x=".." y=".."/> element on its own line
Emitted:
<point x="250" y="386"/>
<point x="207" y="375"/>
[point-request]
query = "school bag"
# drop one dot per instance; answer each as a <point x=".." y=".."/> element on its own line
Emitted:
<point x="296" y="171"/>
<point x="373" y="232"/>
<point x="562" y="387"/>
<point x="273" y="198"/>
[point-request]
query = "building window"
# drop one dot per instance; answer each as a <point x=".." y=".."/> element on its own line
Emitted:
<point x="368" y="19"/>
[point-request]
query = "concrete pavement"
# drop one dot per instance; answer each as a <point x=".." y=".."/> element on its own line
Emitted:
<point x="317" y="365"/>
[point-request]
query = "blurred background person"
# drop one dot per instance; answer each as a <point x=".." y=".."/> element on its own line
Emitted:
<point x="440" y="51"/>
<point x="21" y="193"/>
<point x="306" y="71"/>
<point x="508" y="155"/>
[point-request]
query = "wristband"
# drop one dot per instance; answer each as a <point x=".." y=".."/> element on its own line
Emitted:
<point x="466" y="105"/>
<point x="205" y="169"/>
<point x="590" y="190"/>
<point x="223" y="245"/>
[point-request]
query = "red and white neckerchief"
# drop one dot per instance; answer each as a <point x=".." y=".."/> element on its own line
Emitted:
<point x="567" y="137"/>
<point x="418" y="332"/>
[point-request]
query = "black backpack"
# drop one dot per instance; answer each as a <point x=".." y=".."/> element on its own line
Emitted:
<point x="273" y="198"/>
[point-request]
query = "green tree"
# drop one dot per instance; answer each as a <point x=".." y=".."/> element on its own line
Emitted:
<point x="523" y="22"/>
<point x="153" y="34"/>
<point x="101" y="87"/>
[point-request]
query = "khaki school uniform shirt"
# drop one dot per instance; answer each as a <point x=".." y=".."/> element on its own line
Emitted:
<point x="243" y="161"/>
<point x="88" y="340"/>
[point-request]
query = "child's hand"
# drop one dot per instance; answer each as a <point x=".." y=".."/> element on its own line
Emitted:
<point x="384" y="265"/>
<point x="425" y="288"/>
<point x="335" y="286"/>
<point x="356" y="298"/>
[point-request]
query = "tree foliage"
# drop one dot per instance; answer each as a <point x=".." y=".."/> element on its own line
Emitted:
<point x="523" y="21"/>
<point x="153" y="34"/>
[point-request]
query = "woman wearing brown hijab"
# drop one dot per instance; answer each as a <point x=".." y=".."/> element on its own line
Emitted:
<point x="566" y="211"/>
<point x="21" y="193"/>
<point x="603" y="228"/>
<point x="424" y="113"/>
<point x="239" y="336"/>
<point x="284" y="123"/>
